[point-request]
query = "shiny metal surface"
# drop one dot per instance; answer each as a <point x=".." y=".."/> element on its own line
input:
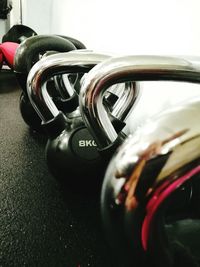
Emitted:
<point x="70" y="62"/>
<point x="176" y="130"/>
<point x="128" y="95"/>
<point x="64" y="86"/>
<point x="123" y="69"/>
<point x="54" y="65"/>
<point x="152" y="164"/>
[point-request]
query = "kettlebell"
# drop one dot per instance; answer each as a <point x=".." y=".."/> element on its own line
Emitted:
<point x="71" y="152"/>
<point x="152" y="181"/>
<point x="27" y="54"/>
<point x="18" y="33"/>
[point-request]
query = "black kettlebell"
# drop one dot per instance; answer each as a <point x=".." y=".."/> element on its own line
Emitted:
<point x="27" y="54"/>
<point x="18" y="33"/>
<point x="71" y="151"/>
<point x="152" y="167"/>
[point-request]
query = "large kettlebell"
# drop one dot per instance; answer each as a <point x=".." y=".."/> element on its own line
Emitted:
<point x="18" y="33"/>
<point x="26" y="55"/>
<point x="158" y="164"/>
<point x="71" y="151"/>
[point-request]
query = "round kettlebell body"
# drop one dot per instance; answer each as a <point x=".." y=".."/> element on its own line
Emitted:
<point x="21" y="79"/>
<point x="73" y="154"/>
<point x="29" y="115"/>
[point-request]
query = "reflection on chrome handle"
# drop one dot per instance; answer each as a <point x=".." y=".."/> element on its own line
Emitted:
<point x="70" y="62"/>
<point x="123" y="69"/>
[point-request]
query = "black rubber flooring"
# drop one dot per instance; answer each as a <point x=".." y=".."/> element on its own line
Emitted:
<point x="41" y="224"/>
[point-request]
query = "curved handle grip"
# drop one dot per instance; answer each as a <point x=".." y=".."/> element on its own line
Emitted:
<point x="77" y="43"/>
<point x="33" y="46"/>
<point x="72" y="62"/>
<point x="122" y="69"/>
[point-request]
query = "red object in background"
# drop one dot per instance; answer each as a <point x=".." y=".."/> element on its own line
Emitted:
<point x="8" y="49"/>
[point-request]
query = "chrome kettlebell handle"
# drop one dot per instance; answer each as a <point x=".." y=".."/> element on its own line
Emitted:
<point x="70" y="62"/>
<point x="55" y="65"/>
<point x="123" y="69"/>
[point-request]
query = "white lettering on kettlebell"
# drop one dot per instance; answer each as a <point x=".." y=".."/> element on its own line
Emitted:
<point x="86" y="143"/>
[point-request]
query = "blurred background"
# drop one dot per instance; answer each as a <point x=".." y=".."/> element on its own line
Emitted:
<point x="128" y="26"/>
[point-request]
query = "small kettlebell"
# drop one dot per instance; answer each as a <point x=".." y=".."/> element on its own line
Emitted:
<point x="71" y="151"/>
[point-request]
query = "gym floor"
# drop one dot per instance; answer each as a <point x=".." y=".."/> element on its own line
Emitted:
<point x="41" y="223"/>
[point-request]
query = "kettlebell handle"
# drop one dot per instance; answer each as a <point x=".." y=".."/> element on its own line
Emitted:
<point x="77" y="43"/>
<point x="31" y="47"/>
<point x="123" y="69"/>
<point x="71" y="62"/>
<point x="46" y="68"/>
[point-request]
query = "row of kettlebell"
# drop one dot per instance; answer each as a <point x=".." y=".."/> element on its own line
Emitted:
<point x="152" y="180"/>
<point x="61" y="93"/>
<point x="132" y="182"/>
<point x="158" y="164"/>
